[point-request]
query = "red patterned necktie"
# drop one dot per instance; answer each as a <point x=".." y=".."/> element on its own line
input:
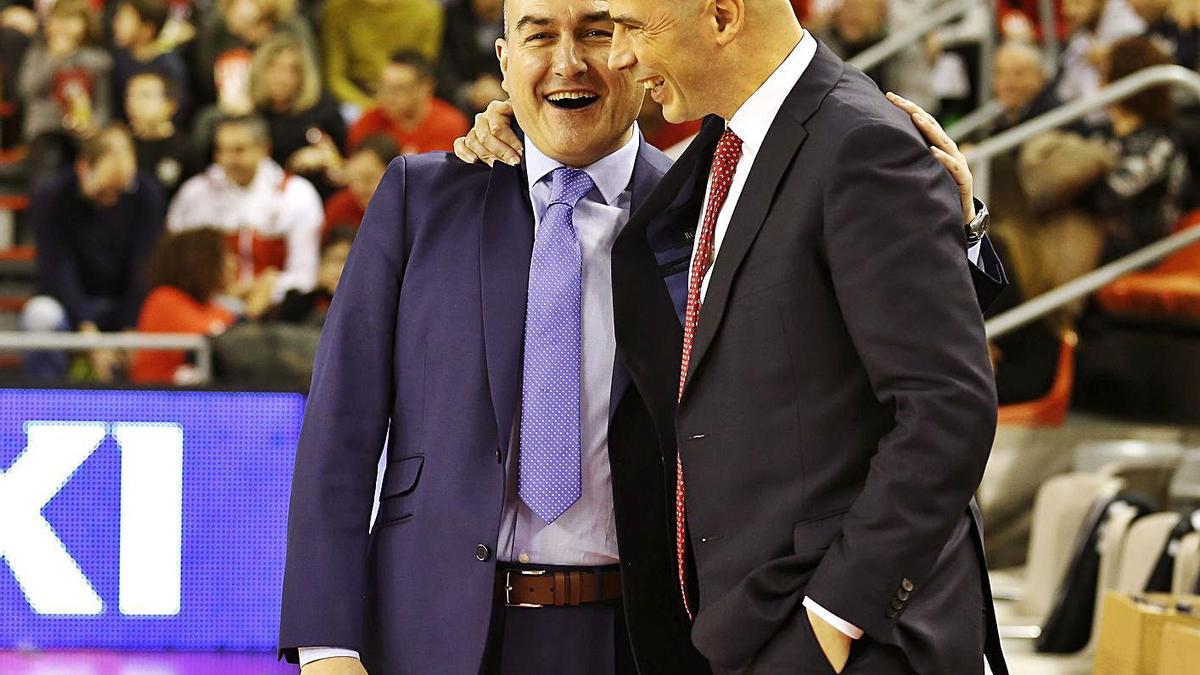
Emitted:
<point x="725" y="161"/>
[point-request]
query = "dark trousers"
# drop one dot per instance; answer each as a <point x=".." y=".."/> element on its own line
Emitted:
<point x="585" y="640"/>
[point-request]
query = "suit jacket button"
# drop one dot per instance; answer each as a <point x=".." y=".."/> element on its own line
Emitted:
<point x="482" y="553"/>
<point x="902" y="594"/>
<point x="906" y="585"/>
<point x="897" y="605"/>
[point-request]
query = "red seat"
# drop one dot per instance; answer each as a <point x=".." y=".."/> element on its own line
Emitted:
<point x="1051" y="409"/>
<point x="1170" y="290"/>
<point x="17" y="254"/>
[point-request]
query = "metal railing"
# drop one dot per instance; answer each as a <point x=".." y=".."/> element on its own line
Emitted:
<point x="1089" y="283"/>
<point x="975" y="120"/>
<point x="981" y="155"/>
<point x="904" y="36"/>
<point x="1077" y="109"/>
<point x="53" y="341"/>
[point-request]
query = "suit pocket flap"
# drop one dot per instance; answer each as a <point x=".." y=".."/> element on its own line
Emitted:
<point x="401" y="476"/>
<point x="818" y="533"/>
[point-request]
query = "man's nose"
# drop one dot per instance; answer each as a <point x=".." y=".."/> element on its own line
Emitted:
<point x="567" y="62"/>
<point x="620" y="56"/>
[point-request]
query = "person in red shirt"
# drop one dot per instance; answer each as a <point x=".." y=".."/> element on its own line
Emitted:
<point x="188" y="271"/>
<point x="406" y="109"/>
<point x="361" y="173"/>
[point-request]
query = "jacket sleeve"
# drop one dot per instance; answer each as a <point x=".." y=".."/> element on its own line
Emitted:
<point x="894" y="241"/>
<point x="345" y="425"/>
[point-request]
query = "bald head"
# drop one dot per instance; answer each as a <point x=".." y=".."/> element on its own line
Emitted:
<point x="699" y="57"/>
<point x="1018" y="76"/>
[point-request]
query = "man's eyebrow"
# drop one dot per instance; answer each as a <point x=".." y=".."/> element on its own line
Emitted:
<point x="596" y="17"/>
<point x="626" y="20"/>
<point x="530" y="20"/>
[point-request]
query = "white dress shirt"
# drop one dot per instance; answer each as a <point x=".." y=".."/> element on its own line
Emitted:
<point x="585" y="534"/>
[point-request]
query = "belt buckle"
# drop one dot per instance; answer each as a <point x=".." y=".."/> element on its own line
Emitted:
<point x="508" y="587"/>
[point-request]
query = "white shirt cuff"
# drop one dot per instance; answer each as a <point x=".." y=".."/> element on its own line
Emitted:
<point x="310" y="654"/>
<point x="845" y="627"/>
<point x="973" y="253"/>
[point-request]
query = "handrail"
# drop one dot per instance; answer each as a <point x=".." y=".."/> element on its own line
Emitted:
<point x="905" y="36"/>
<point x="1049" y="21"/>
<point x="47" y="341"/>
<point x="1077" y="109"/>
<point x="975" y="120"/>
<point x="1089" y="283"/>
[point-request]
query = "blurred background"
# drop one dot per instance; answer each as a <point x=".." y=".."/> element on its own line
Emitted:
<point x="181" y="181"/>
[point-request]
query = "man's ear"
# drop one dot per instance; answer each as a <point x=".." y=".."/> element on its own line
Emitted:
<point x="730" y="18"/>
<point x="502" y="57"/>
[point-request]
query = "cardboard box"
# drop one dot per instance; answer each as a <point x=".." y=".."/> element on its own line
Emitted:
<point x="1180" y="650"/>
<point x="1131" y="632"/>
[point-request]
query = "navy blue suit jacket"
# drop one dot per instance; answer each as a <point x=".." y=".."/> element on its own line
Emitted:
<point x="422" y="346"/>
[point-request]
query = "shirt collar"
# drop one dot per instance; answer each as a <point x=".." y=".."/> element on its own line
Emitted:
<point x="753" y="120"/>
<point x="611" y="174"/>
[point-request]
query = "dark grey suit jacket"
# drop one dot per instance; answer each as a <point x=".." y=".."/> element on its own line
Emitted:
<point x="840" y="405"/>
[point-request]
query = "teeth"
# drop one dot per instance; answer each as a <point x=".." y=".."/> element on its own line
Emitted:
<point x="570" y="95"/>
<point x="650" y="84"/>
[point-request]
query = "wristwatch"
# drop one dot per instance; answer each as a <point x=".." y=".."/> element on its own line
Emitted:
<point x="978" y="225"/>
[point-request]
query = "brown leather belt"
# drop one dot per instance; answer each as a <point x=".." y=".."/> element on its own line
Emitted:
<point x="556" y="588"/>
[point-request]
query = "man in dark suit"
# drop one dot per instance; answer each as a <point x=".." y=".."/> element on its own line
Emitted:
<point x="522" y="527"/>
<point x="832" y="402"/>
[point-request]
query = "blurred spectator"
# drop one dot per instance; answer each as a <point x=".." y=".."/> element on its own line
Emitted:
<point x="1146" y="187"/>
<point x="364" y="168"/>
<point x="95" y="227"/>
<point x="357" y="36"/>
<point x="1093" y="25"/>
<point x="271" y="219"/>
<point x="65" y="85"/>
<point x="227" y="41"/>
<point x="18" y="27"/>
<point x="164" y="153"/>
<point x="857" y="25"/>
<point x="136" y="47"/>
<point x="307" y="129"/>
<point x="468" y="74"/>
<point x="658" y="131"/>
<point x="187" y="273"/>
<point x="406" y="108"/>
<point x="1021" y="83"/>
<point x="1171" y="25"/>
<point x="311" y="307"/>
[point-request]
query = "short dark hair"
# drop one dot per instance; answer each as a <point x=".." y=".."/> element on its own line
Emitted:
<point x="153" y="12"/>
<point x="382" y="146"/>
<point x="170" y="86"/>
<point x="111" y="138"/>
<point x="414" y="60"/>
<point x="192" y="261"/>
<point x="1129" y="55"/>
<point x="255" y="123"/>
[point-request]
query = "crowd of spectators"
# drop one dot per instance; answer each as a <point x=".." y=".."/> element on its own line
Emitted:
<point x="199" y="165"/>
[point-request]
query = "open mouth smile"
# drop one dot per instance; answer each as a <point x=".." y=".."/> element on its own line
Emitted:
<point x="572" y="100"/>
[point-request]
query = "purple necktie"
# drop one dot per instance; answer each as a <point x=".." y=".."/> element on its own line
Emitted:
<point x="550" y="479"/>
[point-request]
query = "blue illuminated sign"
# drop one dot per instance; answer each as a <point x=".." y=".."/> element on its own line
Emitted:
<point x="144" y="519"/>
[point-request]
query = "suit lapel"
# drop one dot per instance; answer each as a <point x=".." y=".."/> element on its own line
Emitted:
<point x="505" y="249"/>
<point x="648" y="331"/>
<point x="783" y="141"/>
<point x="665" y="238"/>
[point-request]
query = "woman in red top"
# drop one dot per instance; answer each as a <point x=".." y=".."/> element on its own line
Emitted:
<point x="188" y="270"/>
